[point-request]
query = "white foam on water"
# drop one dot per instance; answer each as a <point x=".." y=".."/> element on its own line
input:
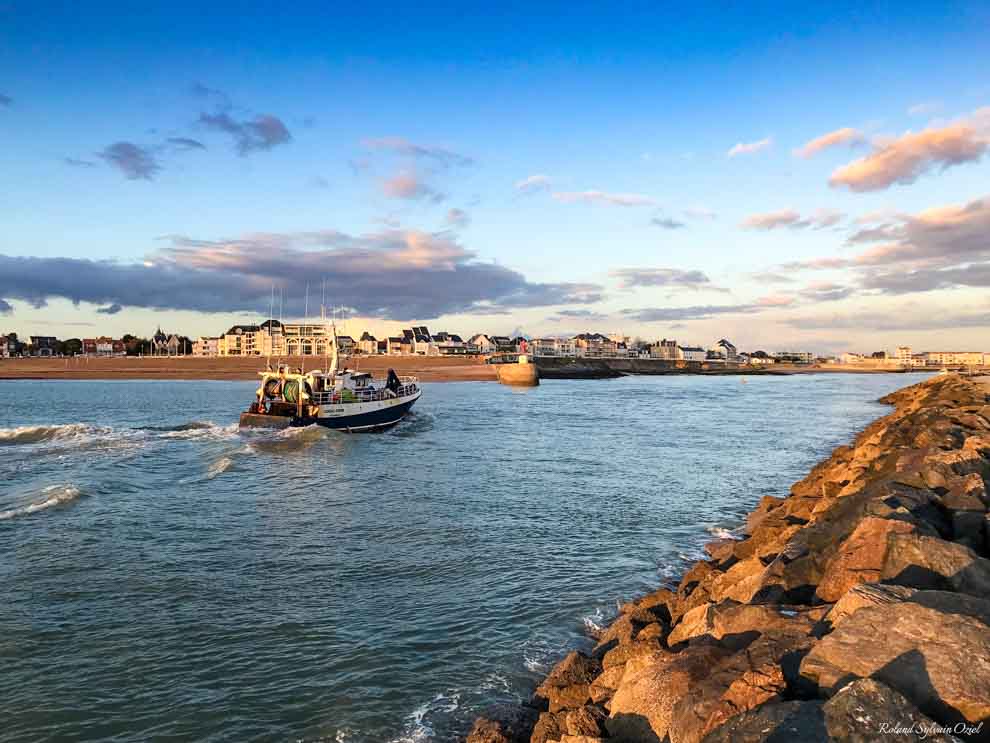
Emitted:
<point x="200" y="430"/>
<point x="39" y="434"/>
<point x="496" y="681"/>
<point x="219" y="467"/>
<point x="538" y="656"/>
<point x="720" y="532"/>
<point x="418" y="727"/>
<point x="594" y="624"/>
<point x="65" y="439"/>
<point x="53" y="495"/>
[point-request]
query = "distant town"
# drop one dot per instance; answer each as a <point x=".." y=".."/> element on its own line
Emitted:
<point x="275" y="338"/>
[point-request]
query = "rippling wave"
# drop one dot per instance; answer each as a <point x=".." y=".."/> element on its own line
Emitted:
<point x="51" y="496"/>
<point x="363" y="588"/>
<point x="40" y="434"/>
<point x="197" y="430"/>
<point x="288" y="439"/>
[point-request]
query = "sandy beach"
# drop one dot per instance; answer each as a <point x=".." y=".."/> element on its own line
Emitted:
<point x="427" y="368"/>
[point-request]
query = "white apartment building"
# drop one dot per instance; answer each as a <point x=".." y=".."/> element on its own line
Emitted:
<point x="273" y="338"/>
<point x="206" y="346"/>
<point x="666" y="349"/>
<point x="368" y="343"/>
<point x="801" y="357"/>
<point x="552" y="347"/>
<point x="693" y="353"/>
<point x="483" y="342"/>
<point x="956" y="358"/>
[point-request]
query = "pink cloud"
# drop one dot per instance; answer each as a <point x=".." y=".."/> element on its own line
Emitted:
<point x="832" y="139"/>
<point x="904" y="159"/>
<point x="775" y="300"/>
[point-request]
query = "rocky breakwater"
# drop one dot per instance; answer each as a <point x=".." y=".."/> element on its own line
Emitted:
<point x="855" y="609"/>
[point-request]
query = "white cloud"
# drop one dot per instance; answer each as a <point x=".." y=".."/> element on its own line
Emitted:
<point x="924" y="108"/>
<point x="821" y="219"/>
<point x="749" y="148"/>
<point x="601" y="197"/>
<point x="534" y="183"/>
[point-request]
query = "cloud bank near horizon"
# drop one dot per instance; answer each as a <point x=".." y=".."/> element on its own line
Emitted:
<point x="389" y="275"/>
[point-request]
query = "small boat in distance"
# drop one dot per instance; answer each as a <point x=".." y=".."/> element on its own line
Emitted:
<point x="344" y="400"/>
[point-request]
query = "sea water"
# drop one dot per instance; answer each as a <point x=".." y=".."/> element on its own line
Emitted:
<point x="164" y="575"/>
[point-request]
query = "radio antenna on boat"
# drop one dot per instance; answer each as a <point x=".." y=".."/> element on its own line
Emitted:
<point x="271" y="310"/>
<point x="302" y="366"/>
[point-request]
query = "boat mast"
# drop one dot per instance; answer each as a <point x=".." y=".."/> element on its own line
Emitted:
<point x="332" y="366"/>
<point x="271" y="310"/>
<point x="302" y="367"/>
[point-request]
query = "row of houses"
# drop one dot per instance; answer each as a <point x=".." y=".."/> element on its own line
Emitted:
<point x="904" y="357"/>
<point x="615" y="346"/>
<point x="275" y="338"/>
<point x="38" y="345"/>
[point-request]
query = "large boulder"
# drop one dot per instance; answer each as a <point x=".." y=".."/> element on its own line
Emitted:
<point x="859" y="558"/>
<point x="738" y="572"/>
<point x="624" y="629"/>
<point x="622" y="654"/>
<point x="928" y="562"/>
<point x="605" y="684"/>
<point x="863" y="595"/>
<point x="488" y="731"/>
<point x="514" y="725"/>
<point x="569" y="682"/>
<point x="867" y="710"/>
<point x="938" y="659"/>
<point x="738" y="624"/>
<point x="764" y="671"/>
<point x="777" y="722"/>
<point x="588" y="720"/>
<point x="658" y="602"/>
<point x="642" y="706"/>
<point x="550" y="727"/>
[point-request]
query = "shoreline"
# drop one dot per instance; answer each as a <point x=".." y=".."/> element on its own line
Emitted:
<point x="861" y="598"/>
<point x="427" y="368"/>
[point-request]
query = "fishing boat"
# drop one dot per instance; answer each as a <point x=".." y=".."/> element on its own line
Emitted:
<point x="344" y="400"/>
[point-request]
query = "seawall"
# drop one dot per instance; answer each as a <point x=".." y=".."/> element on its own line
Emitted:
<point x="556" y="367"/>
<point x="857" y="608"/>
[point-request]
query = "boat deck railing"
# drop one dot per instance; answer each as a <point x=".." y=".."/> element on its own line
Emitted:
<point x="407" y="386"/>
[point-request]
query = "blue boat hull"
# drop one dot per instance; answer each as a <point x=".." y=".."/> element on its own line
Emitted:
<point x="375" y="420"/>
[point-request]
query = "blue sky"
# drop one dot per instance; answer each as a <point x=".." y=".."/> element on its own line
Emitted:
<point x="553" y="169"/>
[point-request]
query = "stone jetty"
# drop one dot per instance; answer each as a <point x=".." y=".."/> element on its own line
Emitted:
<point x="855" y="609"/>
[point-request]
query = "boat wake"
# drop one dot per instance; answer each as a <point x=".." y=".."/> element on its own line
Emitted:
<point x="23" y="435"/>
<point x="196" y="430"/>
<point x="286" y="440"/>
<point x="219" y="467"/>
<point x="53" y="495"/>
<point x="414" y="423"/>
